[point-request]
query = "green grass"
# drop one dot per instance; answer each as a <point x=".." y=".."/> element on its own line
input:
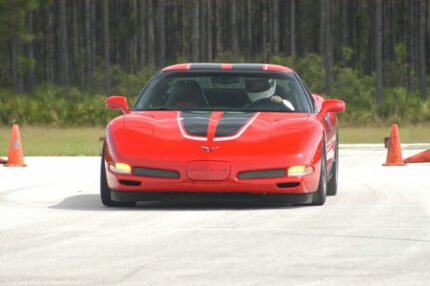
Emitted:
<point x="50" y="141"/>
<point x="408" y="134"/>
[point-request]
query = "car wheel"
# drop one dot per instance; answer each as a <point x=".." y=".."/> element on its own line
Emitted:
<point x="319" y="196"/>
<point x="105" y="191"/>
<point x="333" y="182"/>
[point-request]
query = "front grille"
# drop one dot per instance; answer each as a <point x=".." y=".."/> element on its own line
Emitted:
<point x="159" y="173"/>
<point x="262" y="174"/>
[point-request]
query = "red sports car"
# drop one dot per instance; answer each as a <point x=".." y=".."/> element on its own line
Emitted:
<point x="222" y="130"/>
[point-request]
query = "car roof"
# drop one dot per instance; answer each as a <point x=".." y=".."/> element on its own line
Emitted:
<point x="228" y="66"/>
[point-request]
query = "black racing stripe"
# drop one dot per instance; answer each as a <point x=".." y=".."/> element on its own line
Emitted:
<point x="205" y="66"/>
<point x="248" y="67"/>
<point x="196" y="122"/>
<point x="217" y="66"/>
<point x="231" y="122"/>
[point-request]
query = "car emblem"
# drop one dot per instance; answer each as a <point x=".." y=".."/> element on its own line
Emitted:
<point x="210" y="148"/>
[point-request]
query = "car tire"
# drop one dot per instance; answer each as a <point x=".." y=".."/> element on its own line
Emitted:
<point x="105" y="191"/>
<point x="319" y="197"/>
<point x="333" y="182"/>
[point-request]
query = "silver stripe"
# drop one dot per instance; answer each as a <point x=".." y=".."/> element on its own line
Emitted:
<point x="216" y="139"/>
<point x="184" y="134"/>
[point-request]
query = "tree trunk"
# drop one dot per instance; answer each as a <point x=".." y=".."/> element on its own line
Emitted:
<point x="195" y="36"/>
<point x="285" y="24"/>
<point x="370" y="65"/>
<point x="184" y="20"/>
<point x="106" y="45"/>
<point x="410" y="45"/>
<point x="293" y="28"/>
<point x="378" y="52"/>
<point x="344" y="25"/>
<point x="49" y="42"/>
<point x="219" y="42"/>
<point x="203" y="31"/>
<point x="354" y="33"/>
<point x="75" y="66"/>
<point x="327" y="47"/>
<point x="249" y="29"/>
<point x="233" y="28"/>
<point x="321" y="40"/>
<point x="30" y="51"/>
<point x="88" y="53"/>
<point x="142" y="35"/>
<point x="264" y="39"/>
<point x="94" y="38"/>
<point x="241" y="20"/>
<point x="161" y="34"/>
<point x="344" y="30"/>
<point x="275" y="27"/>
<point x="151" y="36"/>
<point x="209" y="28"/>
<point x="422" y="49"/>
<point x="17" y="79"/>
<point x="63" y="47"/>
<point x="133" y="58"/>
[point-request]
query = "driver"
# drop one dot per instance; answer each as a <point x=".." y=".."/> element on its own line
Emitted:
<point x="262" y="92"/>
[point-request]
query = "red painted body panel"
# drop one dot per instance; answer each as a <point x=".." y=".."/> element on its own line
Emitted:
<point x="269" y="140"/>
<point x="226" y="66"/>
<point x="153" y="139"/>
<point x="178" y="67"/>
<point x="277" y="68"/>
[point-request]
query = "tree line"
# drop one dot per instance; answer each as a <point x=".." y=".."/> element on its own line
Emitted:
<point x="82" y="43"/>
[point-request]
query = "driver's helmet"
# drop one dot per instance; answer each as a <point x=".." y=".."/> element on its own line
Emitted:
<point x="259" y="88"/>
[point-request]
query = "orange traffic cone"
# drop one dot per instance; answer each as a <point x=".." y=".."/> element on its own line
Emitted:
<point x="15" y="157"/>
<point x="423" y="157"/>
<point x="394" y="155"/>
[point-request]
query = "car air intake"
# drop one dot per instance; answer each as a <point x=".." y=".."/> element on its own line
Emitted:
<point x="129" y="183"/>
<point x="159" y="173"/>
<point x="288" y="185"/>
<point x="262" y="174"/>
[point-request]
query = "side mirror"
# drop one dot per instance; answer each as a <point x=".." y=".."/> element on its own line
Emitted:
<point x="117" y="102"/>
<point x="332" y="105"/>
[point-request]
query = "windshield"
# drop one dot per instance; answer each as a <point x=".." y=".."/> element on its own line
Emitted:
<point x="224" y="91"/>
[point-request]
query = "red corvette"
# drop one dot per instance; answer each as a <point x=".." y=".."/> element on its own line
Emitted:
<point x="212" y="130"/>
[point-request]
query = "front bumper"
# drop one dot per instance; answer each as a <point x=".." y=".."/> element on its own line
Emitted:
<point x="210" y="197"/>
<point x="281" y="185"/>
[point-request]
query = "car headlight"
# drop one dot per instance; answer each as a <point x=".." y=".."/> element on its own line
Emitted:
<point x="120" y="168"/>
<point x="296" y="171"/>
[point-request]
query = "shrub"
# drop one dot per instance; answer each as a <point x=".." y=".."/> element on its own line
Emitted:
<point x="49" y="104"/>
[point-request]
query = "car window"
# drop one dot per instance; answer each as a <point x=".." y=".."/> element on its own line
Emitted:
<point x="241" y="91"/>
<point x="308" y="92"/>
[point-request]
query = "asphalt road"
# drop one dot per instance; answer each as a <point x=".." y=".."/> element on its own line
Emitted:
<point x="54" y="231"/>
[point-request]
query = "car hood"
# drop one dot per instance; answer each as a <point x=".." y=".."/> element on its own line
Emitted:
<point x="201" y="133"/>
<point x="215" y="125"/>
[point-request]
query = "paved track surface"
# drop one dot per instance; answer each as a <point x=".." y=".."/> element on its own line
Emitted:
<point x="54" y="231"/>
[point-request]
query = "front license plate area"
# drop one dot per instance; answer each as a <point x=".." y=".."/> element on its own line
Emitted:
<point x="208" y="170"/>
